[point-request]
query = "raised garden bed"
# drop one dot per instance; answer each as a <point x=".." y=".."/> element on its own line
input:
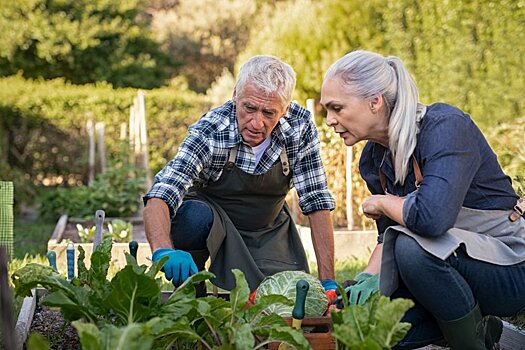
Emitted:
<point x="35" y="318"/>
<point x="66" y="230"/>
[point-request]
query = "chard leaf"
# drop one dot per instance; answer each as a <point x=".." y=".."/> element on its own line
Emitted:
<point x="100" y="259"/>
<point x="72" y="309"/>
<point x="30" y="276"/>
<point x="82" y="272"/>
<point x="267" y="322"/>
<point x="36" y="341"/>
<point x="254" y="312"/>
<point x="374" y="325"/>
<point x="134" y="336"/>
<point x="89" y="335"/>
<point x="288" y="335"/>
<point x="133" y="295"/>
<point x="243" y="337"/>
<point x="239" y="295"/>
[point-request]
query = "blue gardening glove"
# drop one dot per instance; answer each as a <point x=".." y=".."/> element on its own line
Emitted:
<point x="366" y="284"/>
<point x="179" y="267"/>
<point x="329" y="285"/>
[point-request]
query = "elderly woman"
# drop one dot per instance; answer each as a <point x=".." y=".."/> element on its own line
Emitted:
<point x="451" y="227"/>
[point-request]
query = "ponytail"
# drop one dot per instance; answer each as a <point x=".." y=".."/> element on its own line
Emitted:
<point x="402" y="126"/>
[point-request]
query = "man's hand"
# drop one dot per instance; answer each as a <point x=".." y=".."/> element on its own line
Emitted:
<point x="366" y="284"/>
<point x="330" y="287"/>
<point x="179" y="267"/>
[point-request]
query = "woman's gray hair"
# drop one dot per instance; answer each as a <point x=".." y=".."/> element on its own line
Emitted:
<point x="268" y="74"/>
<point x="367" y="75"/>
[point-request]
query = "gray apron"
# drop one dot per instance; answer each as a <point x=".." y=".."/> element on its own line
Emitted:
<point x="486" y="235"/>
<point x="252" y="228"/>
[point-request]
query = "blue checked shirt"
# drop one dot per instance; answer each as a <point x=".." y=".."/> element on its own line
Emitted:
<point x="204" y="152"/>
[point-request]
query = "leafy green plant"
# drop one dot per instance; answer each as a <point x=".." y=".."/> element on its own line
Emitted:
<point x="117" y="191"/>
<point x="119" y="230"/>
<point x="129" y="310"/>
<point x="374" y="325"/>
<point x="86" y="234"/>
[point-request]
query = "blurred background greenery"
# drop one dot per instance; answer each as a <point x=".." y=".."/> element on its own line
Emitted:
<point x="62" y="61"/>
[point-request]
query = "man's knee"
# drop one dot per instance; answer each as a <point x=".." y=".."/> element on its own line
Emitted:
<point x="191" y="225"/>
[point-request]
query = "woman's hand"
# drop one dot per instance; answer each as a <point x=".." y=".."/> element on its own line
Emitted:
<point x="372" y="206"/>
<point x="384" y="204"/>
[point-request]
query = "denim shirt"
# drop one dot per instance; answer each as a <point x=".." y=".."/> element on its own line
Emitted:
<point x="459" y="169"/>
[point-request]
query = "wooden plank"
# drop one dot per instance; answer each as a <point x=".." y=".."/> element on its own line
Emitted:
<point x="25" y="318"/>
<point x="60" y="227"/>
<point x="512" y="338"/>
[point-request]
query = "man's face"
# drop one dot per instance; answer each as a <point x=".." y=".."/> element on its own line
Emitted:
<point x="257" y="114"/>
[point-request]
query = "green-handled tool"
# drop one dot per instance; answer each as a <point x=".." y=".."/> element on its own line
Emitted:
<point x="301" y="288"/>
<point x="133" y="247"/>
<point x="52" y="258"/>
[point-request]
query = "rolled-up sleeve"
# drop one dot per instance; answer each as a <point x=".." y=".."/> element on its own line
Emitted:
<point x="309" y="175"/>
<point x="174" y="180"/>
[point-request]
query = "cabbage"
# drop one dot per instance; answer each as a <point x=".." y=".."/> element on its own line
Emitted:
<point x="283" y="283"/>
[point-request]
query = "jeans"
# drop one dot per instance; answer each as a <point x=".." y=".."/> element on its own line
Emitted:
<point x="449" y="289"/>
<point x="191" y="225"/>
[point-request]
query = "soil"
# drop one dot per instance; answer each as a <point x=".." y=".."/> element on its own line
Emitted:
<point x="51" y="324"/>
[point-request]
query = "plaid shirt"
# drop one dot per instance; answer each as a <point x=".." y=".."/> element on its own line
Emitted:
<point x="204" y="152"/>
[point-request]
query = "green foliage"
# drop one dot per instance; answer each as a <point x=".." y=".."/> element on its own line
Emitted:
<point x="116" y="191"/>
<point x="119" y="230"/>
<point x="45" y="127"/>
<point x="84" y="41"/>
<point x="374" y="325"/>
<point x="131" y="307"/>
<point x="453" y="56"/>
<point x="205" y="45"/>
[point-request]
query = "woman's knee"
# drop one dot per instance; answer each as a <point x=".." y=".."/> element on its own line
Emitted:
<point x="408" y="253"/>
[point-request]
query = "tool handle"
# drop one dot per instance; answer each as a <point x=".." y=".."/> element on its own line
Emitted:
<point x="133" y="247"/>
<point x="99" y="222"/>
<point x="52" y="258"/>
<point x="70" y="250"/>
<point x="301" y="288"/>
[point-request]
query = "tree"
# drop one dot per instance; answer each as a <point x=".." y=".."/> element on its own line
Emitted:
<point x="206" y="36"/>
<point x="83" y="41"/>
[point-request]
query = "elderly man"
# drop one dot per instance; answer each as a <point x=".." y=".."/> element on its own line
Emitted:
<point x="223" y="194"/>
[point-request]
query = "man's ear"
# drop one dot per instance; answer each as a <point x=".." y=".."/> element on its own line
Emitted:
<point x="234" y="99"/>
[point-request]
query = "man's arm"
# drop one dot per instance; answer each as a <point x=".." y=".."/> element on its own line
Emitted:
<point x="157" y="224"/>
<point x="374" y="263"/>
<point x="323" y="242"/>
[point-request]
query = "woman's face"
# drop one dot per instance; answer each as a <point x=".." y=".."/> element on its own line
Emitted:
<point x="353" y="118"/>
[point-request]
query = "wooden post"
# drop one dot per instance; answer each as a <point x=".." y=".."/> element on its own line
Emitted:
<point x="144" y="151"/>
<point x="123" y="131"/>
<point x="349" y="211"/>
<point x="91" y="149"/>
<point x="6" y="303"/>
<point x="132" y="132"/>
<point x="101" y="143"/>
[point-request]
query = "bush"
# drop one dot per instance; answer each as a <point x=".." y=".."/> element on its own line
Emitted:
<point x="116" y="191"/>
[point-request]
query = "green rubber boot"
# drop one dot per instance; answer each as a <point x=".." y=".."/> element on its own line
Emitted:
<point x="200" y="257"/>
<point x="472" y="332"/>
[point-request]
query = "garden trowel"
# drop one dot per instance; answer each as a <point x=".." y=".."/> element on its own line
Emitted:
<point x="301" y="289"/>
<point x="99" y="222"/>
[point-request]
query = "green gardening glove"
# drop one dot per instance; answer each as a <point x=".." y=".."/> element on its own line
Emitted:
<point x="365" y="286"/>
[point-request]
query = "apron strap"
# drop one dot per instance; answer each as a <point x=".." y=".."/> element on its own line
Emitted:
<point x="283" y="156"/>
<point x="285" y="162"/>
<point x="417" y="172"/>
<point x="231" y="158"/>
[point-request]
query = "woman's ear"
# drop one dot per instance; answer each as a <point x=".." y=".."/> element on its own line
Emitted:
<point x="376" y="103"/>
